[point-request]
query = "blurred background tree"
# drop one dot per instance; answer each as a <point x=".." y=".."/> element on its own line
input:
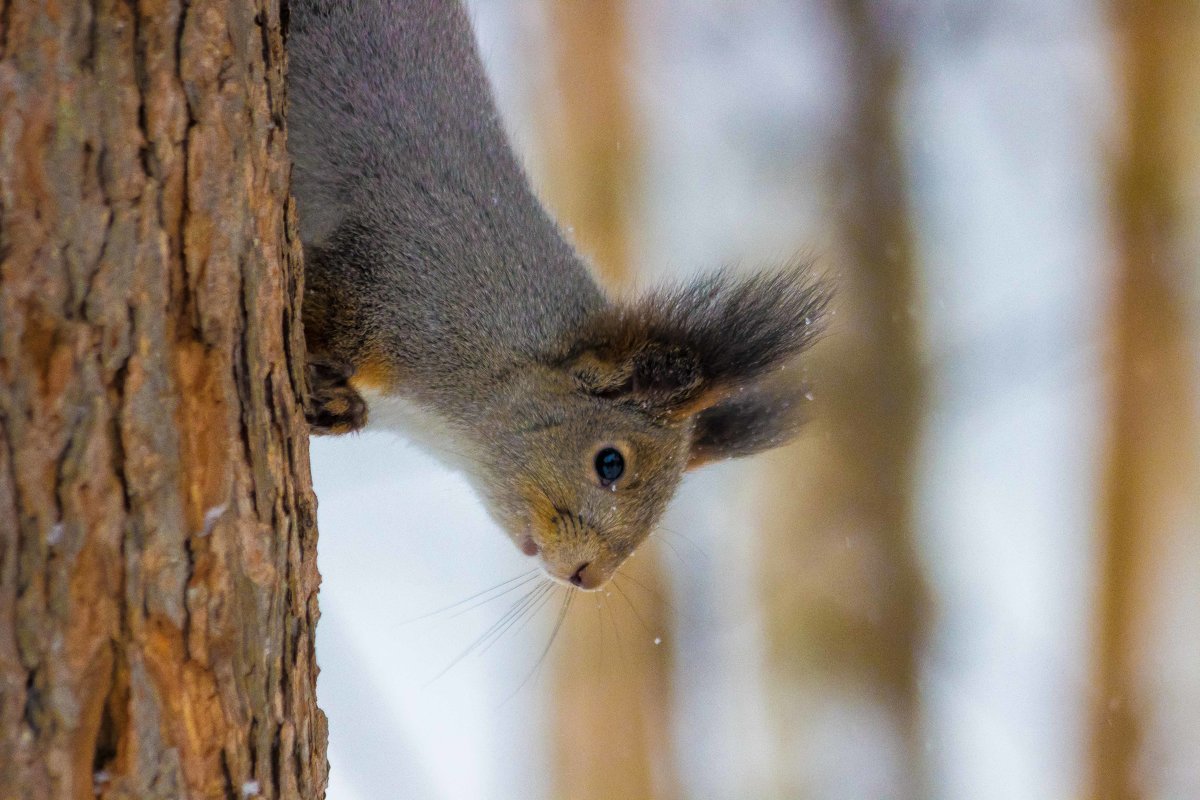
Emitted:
<point x="1152" y="482"/>
<point x="842" y="591"/>
<point x="977" y="573"/>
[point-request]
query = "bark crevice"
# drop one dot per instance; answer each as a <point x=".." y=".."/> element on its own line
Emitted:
<point x="157" y="558"/>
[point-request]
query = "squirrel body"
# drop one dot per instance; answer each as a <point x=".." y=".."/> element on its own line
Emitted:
<point x="443" y="299"/>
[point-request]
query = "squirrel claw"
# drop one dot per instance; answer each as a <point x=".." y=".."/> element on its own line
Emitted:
<point x="334" y="407"/>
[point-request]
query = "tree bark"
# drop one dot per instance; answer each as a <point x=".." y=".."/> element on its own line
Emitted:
<point x="157" y="530"/>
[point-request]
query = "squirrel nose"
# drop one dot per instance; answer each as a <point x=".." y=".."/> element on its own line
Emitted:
<point x="586" y="577"/>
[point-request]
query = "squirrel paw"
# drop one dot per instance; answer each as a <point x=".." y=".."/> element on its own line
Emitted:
<point x="334" y="407"/>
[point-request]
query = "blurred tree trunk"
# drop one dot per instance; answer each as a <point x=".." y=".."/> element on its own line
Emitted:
<point x="157" y="541"/>
<point x="1153" y="470"/>
<point x="843" y="593"/>
<point x="588" y="135"/>
<point x="611" y="730"/>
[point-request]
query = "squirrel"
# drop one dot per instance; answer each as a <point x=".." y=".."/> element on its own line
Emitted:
<point x="444" y="301"/>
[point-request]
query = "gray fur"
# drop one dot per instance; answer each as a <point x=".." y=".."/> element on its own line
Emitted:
<point x="429" y="257"/>
<point x="410" y="199"/>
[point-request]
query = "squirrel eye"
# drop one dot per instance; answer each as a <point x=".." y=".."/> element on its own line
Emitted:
<point x="610" y="464"/>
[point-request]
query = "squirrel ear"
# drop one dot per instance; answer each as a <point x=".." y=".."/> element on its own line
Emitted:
<point x="678" y="351"/>
<point x="747" y="422"/>
<point x="653" y="374"/>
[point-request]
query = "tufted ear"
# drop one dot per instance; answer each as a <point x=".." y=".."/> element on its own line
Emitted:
<point x="748" y="422"/>
<point x="676" y="352"/>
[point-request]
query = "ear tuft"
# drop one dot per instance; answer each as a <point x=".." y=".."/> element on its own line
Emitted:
<point x="677" y="351"/>
<point x="743" y="327"/>
<point x="748" y="422"/>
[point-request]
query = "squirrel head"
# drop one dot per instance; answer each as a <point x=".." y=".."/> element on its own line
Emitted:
<point x="586" y="447"/>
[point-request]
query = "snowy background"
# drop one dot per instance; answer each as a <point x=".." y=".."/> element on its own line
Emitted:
<point x="1007" y="118"/>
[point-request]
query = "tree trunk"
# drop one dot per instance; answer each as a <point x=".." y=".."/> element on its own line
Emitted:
<point x="844" y="593"/>
<point x="157" y="541"/>
<point x="1152" y="480"/>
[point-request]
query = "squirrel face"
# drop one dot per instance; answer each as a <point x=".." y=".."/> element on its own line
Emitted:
<point x="582" y="450"/>
<point x="584" y="481"/>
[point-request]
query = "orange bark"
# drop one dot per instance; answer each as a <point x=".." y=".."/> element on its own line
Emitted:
<point x="157" y="525"/>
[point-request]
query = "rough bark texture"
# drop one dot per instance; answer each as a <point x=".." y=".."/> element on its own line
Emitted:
<point x="1153" y="471"/>
<point x="157" y="540"/>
